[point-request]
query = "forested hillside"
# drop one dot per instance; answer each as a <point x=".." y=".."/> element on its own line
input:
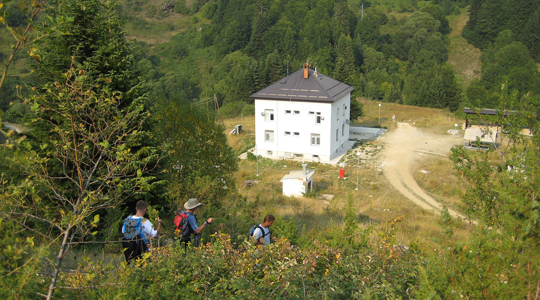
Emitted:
<point x="392" y="51"/>
<point x="121" y="101"/>
<point x="234" y="48"/>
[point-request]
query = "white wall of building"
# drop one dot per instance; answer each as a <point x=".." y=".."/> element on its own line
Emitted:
<point x="294" y="124"/>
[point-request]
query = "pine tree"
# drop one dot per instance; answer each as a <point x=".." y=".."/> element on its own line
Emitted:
<point x="345" y="65"/>
<point x="470" y="30"/>
<point x="91" y="39"/>
<point x="260" y="26"/>
<point x="530" y="36"/>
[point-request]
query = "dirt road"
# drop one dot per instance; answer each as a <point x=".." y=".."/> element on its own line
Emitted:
<point x="403" y="146"/>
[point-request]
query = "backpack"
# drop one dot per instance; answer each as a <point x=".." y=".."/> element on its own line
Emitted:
<point x="133" y="242"/>
<point x="252" y="231"/>
<point x="133" y="228"/>
<point x="183" y="229"/>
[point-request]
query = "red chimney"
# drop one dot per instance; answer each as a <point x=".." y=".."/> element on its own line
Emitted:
<point x="306" y="71"/>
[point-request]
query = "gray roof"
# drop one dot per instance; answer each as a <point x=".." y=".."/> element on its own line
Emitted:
<point x="316" y="88"/>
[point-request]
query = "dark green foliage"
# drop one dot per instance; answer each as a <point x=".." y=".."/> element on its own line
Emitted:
<point x="368" y="27"/>
<point x="478" y="95"/>
<point x="200" y="162"/>
<point x="509" y="62"/>
<point x="529" y="37"/>
<point x="96" y="45"/>
<point x="345" y="64"/>
<point x="249" y="45"/>
<point x="501" y="190"/>
<point x="489" y="17"/>
<point x="437" y="13"/>
<point x="357" y="109"/>
<point x="435" y="87"/>
<point x="222" y="270"/>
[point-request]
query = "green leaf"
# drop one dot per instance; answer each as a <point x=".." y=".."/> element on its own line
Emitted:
<point x="105" y="144"/>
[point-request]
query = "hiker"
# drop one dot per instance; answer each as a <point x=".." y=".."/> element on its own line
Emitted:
<point x="137" y="232"/>
<point x="190" y="206"/>
<point x="262" y="233"/>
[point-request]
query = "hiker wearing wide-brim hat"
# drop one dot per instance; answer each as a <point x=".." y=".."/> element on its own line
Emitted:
<point x="190" y="206"/>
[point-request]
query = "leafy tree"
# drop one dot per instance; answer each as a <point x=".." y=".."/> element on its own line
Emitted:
<point x="510" y="64"/>
<point x="477" y="94"/>
<point x="235" y="36"/>
<point x="436" y="12"/>
<point x="17" y="18"/>
<point x="201" y="163"/>
<point x="90" y="138"/>
<point x="368" y="27"/>
<point x="501" y="192"/>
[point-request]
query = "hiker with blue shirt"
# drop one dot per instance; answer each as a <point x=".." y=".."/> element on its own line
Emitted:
<point x="191" y="205"/>
<point x="262" y="233"/>
<point x="137" y="232"/>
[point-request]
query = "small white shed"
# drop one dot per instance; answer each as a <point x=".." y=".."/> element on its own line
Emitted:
<point x="297" y="183"/>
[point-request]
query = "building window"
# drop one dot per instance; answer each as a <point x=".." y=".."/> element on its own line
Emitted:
<point x="288" y="112"/>
<point x="297" y="134"/>
<point x="319" y="118"/>
<point x="337" y="135"/>
<point x="315" y="156"/>
<point x="269" y="153"/>
<point x="344" y="108"/>
<point x="338" y="113"/>
<point x="342" y="129"/>
<point x="315" y="139"/>
<point x="311" y="112"/>
<point x="269" y="136"/>
<point x="287" y="133"/>
<point x="296" y="112"/>
<point x="269" y="115"/>
<point x="297" y="155"/>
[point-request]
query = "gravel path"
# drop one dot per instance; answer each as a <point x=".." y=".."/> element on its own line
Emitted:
<point x="402" y="147"/>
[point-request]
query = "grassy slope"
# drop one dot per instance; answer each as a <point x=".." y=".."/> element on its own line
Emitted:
<point x="464" y="57"/>
<point x="156" y="29"/>
<point x="376" y="202"/>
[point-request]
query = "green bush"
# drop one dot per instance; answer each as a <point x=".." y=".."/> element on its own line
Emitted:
<point x="221" y="270"/>
<point x="248" y="110"/>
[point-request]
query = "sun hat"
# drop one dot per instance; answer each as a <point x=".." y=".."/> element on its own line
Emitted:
<point x="192" y="203"/>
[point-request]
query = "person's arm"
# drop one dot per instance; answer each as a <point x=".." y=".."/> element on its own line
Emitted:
<point x="203" y="226"/>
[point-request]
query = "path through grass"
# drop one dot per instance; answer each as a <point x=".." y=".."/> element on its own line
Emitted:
<point x="464" y="57"/>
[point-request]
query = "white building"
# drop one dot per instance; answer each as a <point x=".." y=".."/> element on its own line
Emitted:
<point x="304" y="115"/>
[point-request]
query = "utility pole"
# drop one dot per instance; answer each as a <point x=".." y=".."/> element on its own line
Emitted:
<point x="357" y="169"/>
<point x="379" y="114"/>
